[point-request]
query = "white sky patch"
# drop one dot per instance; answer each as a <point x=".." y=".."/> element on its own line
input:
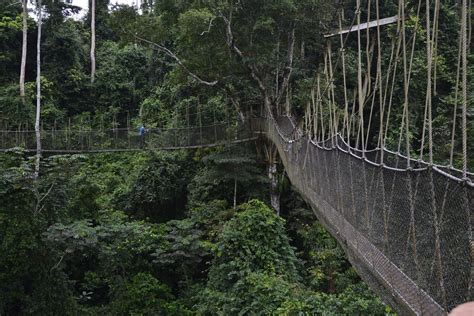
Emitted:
<point x="84" y="4"/>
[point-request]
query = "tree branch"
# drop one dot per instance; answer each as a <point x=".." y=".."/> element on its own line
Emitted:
<point x="209" y="27"/>
<point x="57" y="264"/>
<point x="233" y="47"/>
<point x="39" y="207"/>
<point x="172" y="55"/>
<point x="288" y="67"/>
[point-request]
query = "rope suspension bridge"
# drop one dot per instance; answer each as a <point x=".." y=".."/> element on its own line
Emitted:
<point x="405" y="220"/>
<point x="407" y="231"/>
<point x="126" y="139"/>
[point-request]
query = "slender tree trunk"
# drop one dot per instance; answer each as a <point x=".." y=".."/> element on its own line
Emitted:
<point x="271" y="157"/>
<point x="23" y="50"/>
<point x="274" y="195"/>
<point x="332" y="285"/>
<point x="92" y="12"/>
<point x="38" y="91"/>
<point x="235" y="194"/>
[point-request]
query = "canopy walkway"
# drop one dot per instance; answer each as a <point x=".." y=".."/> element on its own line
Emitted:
<point x="125" y="139"/>
<point x="406" y="230"/>
<point x="405" y="222"/>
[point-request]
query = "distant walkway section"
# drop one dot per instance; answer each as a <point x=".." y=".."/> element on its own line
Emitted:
<point x="125" y="139"/>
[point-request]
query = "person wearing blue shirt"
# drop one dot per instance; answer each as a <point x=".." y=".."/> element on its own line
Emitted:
<point x="141" y="132"/>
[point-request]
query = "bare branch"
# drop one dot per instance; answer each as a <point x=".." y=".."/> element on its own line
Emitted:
<point x="233" y="47"/>
<point x="172" y="55"/>
<point x="236" y="103"/>
<point x="288" y="67"/>
<point x="209" y="27"/>
<point x="57" y="264"/>
<point x="38" y="209"/>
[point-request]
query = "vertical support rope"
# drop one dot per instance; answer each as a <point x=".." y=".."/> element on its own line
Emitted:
<point x="380" y="143"/>
<point x="394" y="59"/>
<point x="320" y="108"/>
<point x="464" y="86"/>
<point x="359" y="78"/>
<point x="405" y="84"/>
<point x="367" y="51"/>
<point x="351" y="127"/>
<point x="428" y="81"/>
<point x="315" y="115"/>
<point x="344" y="79"/>
<point x="326" y="72"/>
<point x="456" y="95"/>
<point x="434" y="43"/>
<point x="332" y="99"/>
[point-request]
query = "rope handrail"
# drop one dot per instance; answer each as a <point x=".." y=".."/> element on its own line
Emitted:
<point x="325" y="179"/>
<point x="126" y="139"/>
<point x="350" y="149"/>
<point x="152" y="129"/>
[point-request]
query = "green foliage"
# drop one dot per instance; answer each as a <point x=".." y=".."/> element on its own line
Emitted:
<point x="145" y="295"/>
<point x="159" y="187"/>
<point x="252" y="246"/>
<point x="224" y="168"/>
<point x="184" y="246"/>
<point x="28" y="284"/>
<point x="253" y="241"/>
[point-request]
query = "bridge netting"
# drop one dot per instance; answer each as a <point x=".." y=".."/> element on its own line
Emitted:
<point x="406" y="230"/>
<point x="125" y="139"/>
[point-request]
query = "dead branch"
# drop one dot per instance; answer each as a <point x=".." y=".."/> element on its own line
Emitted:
<point x="172" y="55"/>
<point x="233" y="47"/>
<point x="209" y="27"/>
<point x="288" y="67"/>
<point x="38" y="209"/>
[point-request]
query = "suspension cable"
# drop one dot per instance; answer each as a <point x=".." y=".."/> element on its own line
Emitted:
<point x="405" y="84"/>
<point x="456" y="94"/>
<point x="464" y="13"/>
<point x="359" y="77"/>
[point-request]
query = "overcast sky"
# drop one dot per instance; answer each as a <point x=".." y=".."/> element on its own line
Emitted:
<point x="84" y="3"/>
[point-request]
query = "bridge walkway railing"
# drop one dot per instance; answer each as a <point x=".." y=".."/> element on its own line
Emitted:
<point x="126" y="139"/>
<point x="406" y="230"/>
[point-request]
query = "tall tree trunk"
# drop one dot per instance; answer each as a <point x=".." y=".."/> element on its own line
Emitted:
<point x="274" y="194"/>
<point x="271" y="154"/>
<point x="331" y="282"/>
<point x="23" y="50"/>
<point x="38" y="91"/>
<point x="92" y="12"/>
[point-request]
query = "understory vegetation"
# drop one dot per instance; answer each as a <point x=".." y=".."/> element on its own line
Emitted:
<point x="156" y="234"/>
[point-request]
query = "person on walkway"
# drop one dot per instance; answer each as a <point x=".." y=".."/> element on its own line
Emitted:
<point x="141" y="132"/>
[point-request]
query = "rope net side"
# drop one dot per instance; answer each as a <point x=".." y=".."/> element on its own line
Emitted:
<point x="407" y="228"/>
<point x="126" y="139"/>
